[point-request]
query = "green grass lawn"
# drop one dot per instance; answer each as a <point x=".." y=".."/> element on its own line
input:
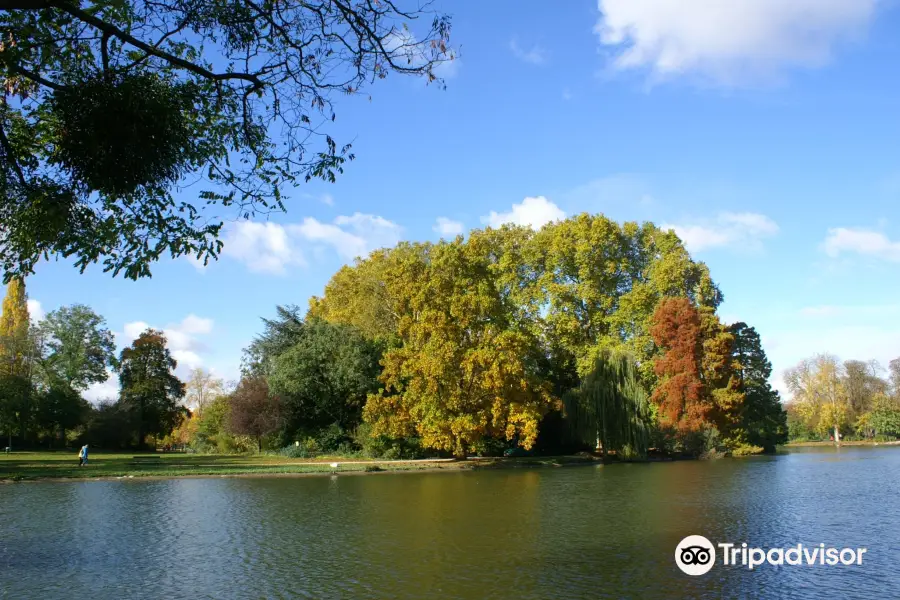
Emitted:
<point x="24" y="466"/>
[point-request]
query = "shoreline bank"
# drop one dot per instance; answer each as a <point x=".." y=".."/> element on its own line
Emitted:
<point x="166" y="467"/>
<point x="24" y="467"/>
<point x="848" y="443"/>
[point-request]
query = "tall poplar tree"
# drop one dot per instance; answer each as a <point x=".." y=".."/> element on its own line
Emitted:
<point x="15" y="359"/>
<point x="14" y="330"/>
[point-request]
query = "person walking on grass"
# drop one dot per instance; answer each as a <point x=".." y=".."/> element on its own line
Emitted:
<point x="83" y="456"/>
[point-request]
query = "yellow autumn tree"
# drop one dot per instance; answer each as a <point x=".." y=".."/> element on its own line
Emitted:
<point x="820" y="395"/>
<point x="466" y="368"/>
<point x="369" y="295"/>
<point x="14" y="330"/>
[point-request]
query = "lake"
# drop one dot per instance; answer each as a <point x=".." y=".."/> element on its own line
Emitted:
<point x="575" y="532"/>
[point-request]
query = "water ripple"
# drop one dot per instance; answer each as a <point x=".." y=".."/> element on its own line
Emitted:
<point x="604" y="532"/>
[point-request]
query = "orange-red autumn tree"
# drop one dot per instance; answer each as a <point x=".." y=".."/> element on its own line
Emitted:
<point x="680" y="396"/>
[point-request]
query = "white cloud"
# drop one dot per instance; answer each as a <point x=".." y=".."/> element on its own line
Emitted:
<point x="194" y="324"/>
<point x="448" y="227"/>
<point x="352" y="236"/>
<point x="728" y="41"/>
<point x="272" y="247"/>
<point x="778" y="384"/>
<point x="861" y="241"/>
<point x="567" y="94"/>
<point x="262" y="247"/>
<point x="346" y="244"/>
<point x="187" y="359"/>
<point x="534" y="212"/>
<point x="699" y="237"/>
<point x="739" y="230"/>
<point x="534" y="55"/>
<point x="35" y="311"/>
<point x="181" y="339"/>
<point x="108" y="390"/>
<point x="132" y="331"/>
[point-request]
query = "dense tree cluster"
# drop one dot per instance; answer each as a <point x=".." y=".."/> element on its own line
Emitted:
<point x="584" y="334"/>
<point x="496" y="339"/>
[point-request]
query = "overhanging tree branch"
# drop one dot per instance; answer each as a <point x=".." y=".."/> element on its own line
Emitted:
<point x="34" y="77"/>
<point x="139" y="61"/>
<point x="23" y="4"/>
<point x="11" y="157"/>
<point x="111" y="29"/>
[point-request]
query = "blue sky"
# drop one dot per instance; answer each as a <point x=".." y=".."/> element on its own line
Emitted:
<point x="765" y="132"/>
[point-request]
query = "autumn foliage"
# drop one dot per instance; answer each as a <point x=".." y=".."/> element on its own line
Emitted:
<point x="465" y="369"/>
<point x="680" y="394"/>
<point x="484" y="335"/>
<point x="14" y="330"/>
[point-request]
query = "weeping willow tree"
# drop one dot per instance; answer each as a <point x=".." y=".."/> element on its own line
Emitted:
<point x="610" y="407"/>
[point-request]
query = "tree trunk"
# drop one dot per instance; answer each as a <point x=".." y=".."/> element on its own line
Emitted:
<point x="460" y="453"/>
<point x="140" y="441"/>
<point x="602" y="447"/>
<point x="837" y="436"/>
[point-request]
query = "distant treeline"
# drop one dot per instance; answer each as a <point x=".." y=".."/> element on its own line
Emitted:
<point x="853" y="399"/>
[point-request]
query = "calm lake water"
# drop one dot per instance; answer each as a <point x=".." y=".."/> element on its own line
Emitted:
<point x="579" y="532"/>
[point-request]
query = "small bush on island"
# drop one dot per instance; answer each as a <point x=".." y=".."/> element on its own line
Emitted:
<point x="747" y="450"/>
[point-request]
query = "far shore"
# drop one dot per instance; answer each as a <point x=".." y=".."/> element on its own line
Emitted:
<point x="843" y="443"/>
<point x="58" y="466"/>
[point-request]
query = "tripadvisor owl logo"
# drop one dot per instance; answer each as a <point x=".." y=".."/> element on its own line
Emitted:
<point x="696" y="555"/>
